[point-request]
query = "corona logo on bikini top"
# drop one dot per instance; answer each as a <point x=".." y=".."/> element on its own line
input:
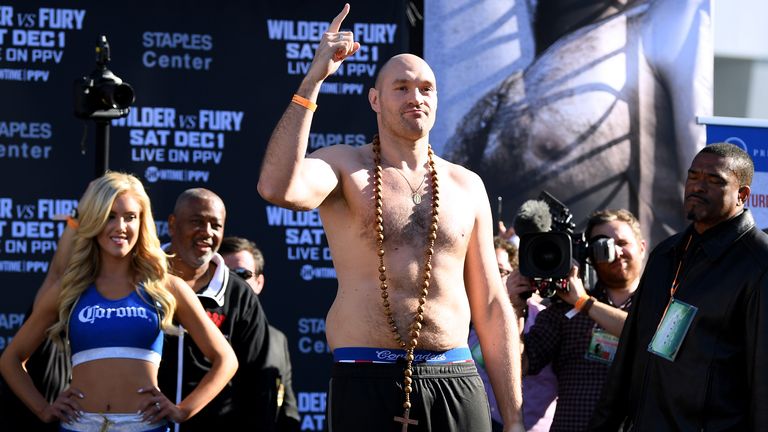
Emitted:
<point x="90" y="314"/>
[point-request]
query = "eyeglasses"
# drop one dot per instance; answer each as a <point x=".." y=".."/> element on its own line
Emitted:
<point x="243" y="273"/>
<point x="504" y="272"/>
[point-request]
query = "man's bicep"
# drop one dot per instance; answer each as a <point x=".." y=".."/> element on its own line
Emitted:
<point x="320" y="175"/>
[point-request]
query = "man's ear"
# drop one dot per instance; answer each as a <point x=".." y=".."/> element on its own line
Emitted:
<point x="373" y="99"/>
<point x="259" y="283"/>
<point x="744" y="192"/>
<point x="171" y="224"/>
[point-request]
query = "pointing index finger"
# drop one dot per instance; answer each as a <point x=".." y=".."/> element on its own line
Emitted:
<point x="336" y="23"/>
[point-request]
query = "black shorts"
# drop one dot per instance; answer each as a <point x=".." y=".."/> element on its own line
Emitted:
<point x="368" y="396"/>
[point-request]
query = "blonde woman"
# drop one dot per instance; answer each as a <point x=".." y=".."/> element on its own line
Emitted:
<point x="109" y="311"/>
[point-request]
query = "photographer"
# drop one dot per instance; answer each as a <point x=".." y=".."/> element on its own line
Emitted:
<point x="579" y="335"/>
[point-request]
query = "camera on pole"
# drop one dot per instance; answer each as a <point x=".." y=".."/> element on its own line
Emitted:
<point x="102" y="96"/>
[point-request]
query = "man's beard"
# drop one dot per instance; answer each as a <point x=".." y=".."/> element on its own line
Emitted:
<point x="691" y="214"/>
<point x="202" y="260"/>
<point x="695" y="216"/>
<point x="620" y="276"/>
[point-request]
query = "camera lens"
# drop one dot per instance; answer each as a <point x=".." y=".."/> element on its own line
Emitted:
<point x="546" y="254"/>
<point x="114" y="96"/>
<point x="123" y="96"/>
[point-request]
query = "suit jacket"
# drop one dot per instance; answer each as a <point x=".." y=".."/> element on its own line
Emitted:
<point x="278" y="364"/>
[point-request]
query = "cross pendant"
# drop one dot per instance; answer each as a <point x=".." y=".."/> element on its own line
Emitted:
<point x="405" y="420"/>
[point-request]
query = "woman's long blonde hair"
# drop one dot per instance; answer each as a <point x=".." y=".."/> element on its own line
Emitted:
<point x="148" y="260"/>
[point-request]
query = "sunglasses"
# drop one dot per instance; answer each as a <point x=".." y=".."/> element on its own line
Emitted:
<point x="243" y="273"/>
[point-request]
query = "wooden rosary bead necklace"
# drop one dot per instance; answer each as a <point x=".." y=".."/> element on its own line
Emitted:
<point x="432" y="236"/>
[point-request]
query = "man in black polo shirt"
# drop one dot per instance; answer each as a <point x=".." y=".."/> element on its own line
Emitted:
<point x="196" y="228"/>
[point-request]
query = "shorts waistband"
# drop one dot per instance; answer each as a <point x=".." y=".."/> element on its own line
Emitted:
<point x="113" y="423"/>
<point x="387" y="355"/>
<point x="395" y="370"/>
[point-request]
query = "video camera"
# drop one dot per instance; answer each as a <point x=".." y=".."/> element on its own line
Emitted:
<point x="549" y="246"/>
<point x="102" y="94"/>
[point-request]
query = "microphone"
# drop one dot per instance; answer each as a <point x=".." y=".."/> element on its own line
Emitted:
<point x="533" y="217"/>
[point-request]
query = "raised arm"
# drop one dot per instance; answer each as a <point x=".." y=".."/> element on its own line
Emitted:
<point x="288" y="178"/>
<point x="61" y="256"/>
<point x="208" y="338"/>
<point x="492" y="314"/>
<point x="59" y="261"/>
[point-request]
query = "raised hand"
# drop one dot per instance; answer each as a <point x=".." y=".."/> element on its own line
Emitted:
<point x="504" y="232"/>
<point x="334" y="47"/>
<point x="517" y="285"/>
<point x="576" y="287"/>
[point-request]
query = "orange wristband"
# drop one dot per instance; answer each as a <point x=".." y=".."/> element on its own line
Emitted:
<point x="306" y="103"/>
<point x="580" y="302"/>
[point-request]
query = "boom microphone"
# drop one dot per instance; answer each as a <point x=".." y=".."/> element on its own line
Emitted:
<point x="533" y="217"/>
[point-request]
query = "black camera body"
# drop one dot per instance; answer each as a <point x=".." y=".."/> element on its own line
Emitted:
<point x="548" y="256"/>
<point x="102" y="94"/>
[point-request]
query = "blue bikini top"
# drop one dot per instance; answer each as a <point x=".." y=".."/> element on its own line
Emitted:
<point x="100" y="328"/>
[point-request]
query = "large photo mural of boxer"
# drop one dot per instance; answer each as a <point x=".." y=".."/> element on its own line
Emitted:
<point x="592" y="101"/>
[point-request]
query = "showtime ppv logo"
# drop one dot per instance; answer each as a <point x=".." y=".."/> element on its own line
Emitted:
<point x="154" y="174"/>
<point x="90" y="314"/>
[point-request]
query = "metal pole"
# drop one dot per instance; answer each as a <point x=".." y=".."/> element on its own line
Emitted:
<point x="102" y="147"/>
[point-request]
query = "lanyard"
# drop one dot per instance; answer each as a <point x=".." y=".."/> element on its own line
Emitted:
<point x="676" y="281"/>
<point x="671" y="331"/>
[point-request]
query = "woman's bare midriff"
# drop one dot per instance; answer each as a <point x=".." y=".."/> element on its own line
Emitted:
<point x="112" y="385"/>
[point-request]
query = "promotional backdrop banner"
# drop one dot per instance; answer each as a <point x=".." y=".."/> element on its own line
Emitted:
<point x="211" y="81"/>
<point x="592" y="101"/>
<point x="752" y="136"/>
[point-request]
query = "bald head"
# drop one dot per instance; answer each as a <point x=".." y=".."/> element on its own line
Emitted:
<point x="196" y="228"/>
<point x="196" y="194"/>
<point x="404" y="98"/>
<point x="403" y="63"/>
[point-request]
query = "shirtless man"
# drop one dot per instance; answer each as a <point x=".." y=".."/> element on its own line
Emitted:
<point x="383" y="279"/>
